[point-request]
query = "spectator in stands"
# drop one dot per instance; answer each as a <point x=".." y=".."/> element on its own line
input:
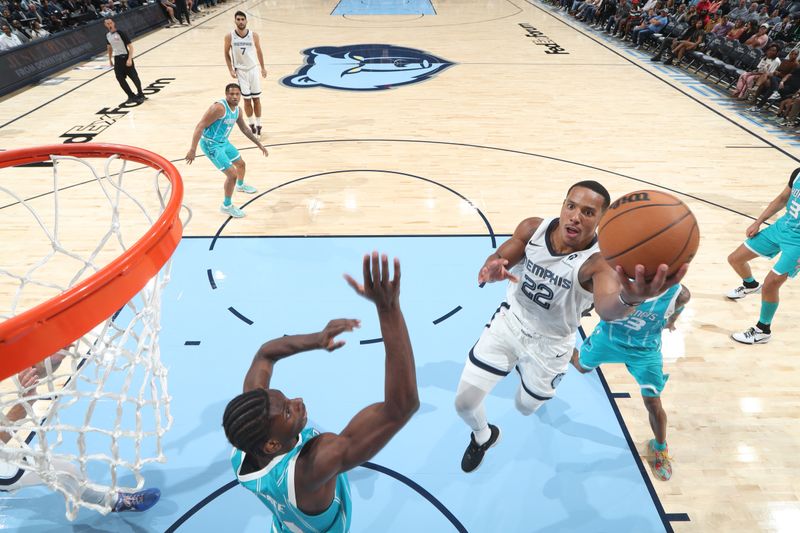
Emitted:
<point x="760" y="39"/>
<point x="38" y="32"/>
<point x="32" y="11"/>
<point x="689" y="41"/>
<point x="621" y="13"/>
<point x="790" y="108"/>
<point x="769" y="84"/>
<point x="722" y="27"/>
<point x="48" y="9"/>
<point x="774" y="18"/>
<point x="786" y="88"/>
<point x="607" y="10"/>
<point x="6" y="17"/>
<point x="737" y="31"/>
<point x="108" y="10"/>
<point x="768" y="64"/>
<point x="7" y="39"/>
<point x="751" y="29"/>
<point x="645" y="30"/>
<point x="739" y="12"/>
<point x="19" y="31"/>
<point x="88" y="9"/>
<point x="54" y="24"/>
<point x="169" y="7"/>
<point x="752" y="13"/>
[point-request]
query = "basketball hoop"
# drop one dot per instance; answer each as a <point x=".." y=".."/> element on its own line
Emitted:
<point x="29" y="337"/>
<point x="107" y="407"/>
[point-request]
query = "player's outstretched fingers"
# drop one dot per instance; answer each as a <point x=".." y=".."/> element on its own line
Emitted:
<point x="385" y="271"/>
<point x="376" y="269"/>
<point x="396" y="280"/>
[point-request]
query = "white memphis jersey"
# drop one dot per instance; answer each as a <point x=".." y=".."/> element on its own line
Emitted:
<point x="243" y="50"/>
<point x="549" y="299"/>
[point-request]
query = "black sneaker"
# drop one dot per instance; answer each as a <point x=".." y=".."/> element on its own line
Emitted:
<point x="253" y="128"/>
<point x="140" y="99"/>
<point x="258" y="131"/>
<point x="474" y="455"/>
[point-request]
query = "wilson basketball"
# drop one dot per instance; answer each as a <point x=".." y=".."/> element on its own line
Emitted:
<point x="648" y="228"/>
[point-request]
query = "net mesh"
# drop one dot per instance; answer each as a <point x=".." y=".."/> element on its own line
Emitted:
<point x="87" y="419"/>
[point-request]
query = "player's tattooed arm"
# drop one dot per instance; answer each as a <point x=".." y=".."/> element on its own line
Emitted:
<point x="249" y="134"/>
<point x="511" y="252"/>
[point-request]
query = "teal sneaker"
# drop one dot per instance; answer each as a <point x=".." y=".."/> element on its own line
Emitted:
<point x="231" y="211"/>
<point x="660" y="461"/>
<point x="245" y="188"/>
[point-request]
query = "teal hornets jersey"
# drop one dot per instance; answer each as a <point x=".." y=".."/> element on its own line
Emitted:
<point x="641" y="330"/>
<point x="220" y="129"/>
<point x="274" y="486"/>
<point x="790" y="221"/>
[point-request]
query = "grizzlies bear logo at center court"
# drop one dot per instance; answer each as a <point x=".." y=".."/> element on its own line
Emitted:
<point x="365" y="67"/>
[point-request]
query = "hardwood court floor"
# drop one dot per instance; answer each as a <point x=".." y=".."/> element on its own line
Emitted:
<point x="509" y="128"/>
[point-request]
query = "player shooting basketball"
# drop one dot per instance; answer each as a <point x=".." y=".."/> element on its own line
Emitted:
<point x="295" y="471"/>
<point x="562" y="273"/>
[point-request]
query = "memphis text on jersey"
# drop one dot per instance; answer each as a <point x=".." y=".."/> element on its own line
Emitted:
<point x="108" y="116"/>
<point x="547" y="275"/>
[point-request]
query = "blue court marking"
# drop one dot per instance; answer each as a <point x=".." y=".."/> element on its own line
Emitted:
<point x="384" y="7"/>
<point x="569" y="467"/>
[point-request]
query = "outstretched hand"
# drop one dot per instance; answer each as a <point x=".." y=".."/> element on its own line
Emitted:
<point x="495" y="270"/>
<point x="28" y="379"/>
<point x="639" y="289"/>
<point x="327" y="337"/>
<point x="377" y="286"/>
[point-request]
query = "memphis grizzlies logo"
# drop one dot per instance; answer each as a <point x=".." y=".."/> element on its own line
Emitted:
<point x="365" y="67"/>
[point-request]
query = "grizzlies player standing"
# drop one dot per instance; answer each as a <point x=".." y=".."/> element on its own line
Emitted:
<point x="558" y="272"/>
<point x="781" y="237"/>
<point x="212" y="133"/>
<point x="298" y="473"/>
<point x="243" y="56"/>
<point x="636" y="341"/>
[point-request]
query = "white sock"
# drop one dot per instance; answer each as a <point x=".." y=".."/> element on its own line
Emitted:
<point x="483" y="435"/>
<point x="258" y="122"/>
<point x="251" y="120"/>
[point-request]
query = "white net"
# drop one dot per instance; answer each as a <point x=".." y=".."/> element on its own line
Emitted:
<point x="87" y="419"/>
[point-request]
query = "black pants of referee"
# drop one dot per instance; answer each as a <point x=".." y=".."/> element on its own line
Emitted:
<point x="122" y="71"/>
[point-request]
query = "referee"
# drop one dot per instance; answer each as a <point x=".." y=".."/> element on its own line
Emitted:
<point x="120" y="47"/>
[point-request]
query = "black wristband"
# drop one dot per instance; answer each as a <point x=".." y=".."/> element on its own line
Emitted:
<point x="626" y="304"/>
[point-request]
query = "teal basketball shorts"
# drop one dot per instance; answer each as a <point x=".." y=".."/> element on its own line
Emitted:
<point x="646" y="367"/>
<point x="772" y="240"/>
<point x="221" y="155"/>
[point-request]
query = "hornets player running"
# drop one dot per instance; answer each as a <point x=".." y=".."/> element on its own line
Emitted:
<point x="243" y="56"/>
<point x="212" y="133"/>
<point x="534" y="331"/>
<point x="296" y="472"/>
<point x="781" y="237"/>
<point x="636" y="341"/>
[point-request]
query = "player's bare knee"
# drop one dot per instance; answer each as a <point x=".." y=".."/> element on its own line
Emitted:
<point x="526" y="404"/>
<point x="652" y="403"/>
<point x="773" y="281"/>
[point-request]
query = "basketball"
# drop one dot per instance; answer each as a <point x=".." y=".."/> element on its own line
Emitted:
<point x="648" y="228"/>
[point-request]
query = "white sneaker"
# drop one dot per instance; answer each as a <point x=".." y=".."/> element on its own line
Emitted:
<point x="231" y="210"/>
<point x="245" y="188"/>
<point x="741" y="291"/>
<point x="752" y="336"/>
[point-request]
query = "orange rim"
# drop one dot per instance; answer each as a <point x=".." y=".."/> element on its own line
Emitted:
<point x="29" y="337"/>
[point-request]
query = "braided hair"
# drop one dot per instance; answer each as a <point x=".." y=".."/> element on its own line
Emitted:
<point x="246" y="421"/>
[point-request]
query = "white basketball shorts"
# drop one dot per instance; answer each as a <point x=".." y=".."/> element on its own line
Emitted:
<point x="249" y="82"/>
<point x="505" y="345"/>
